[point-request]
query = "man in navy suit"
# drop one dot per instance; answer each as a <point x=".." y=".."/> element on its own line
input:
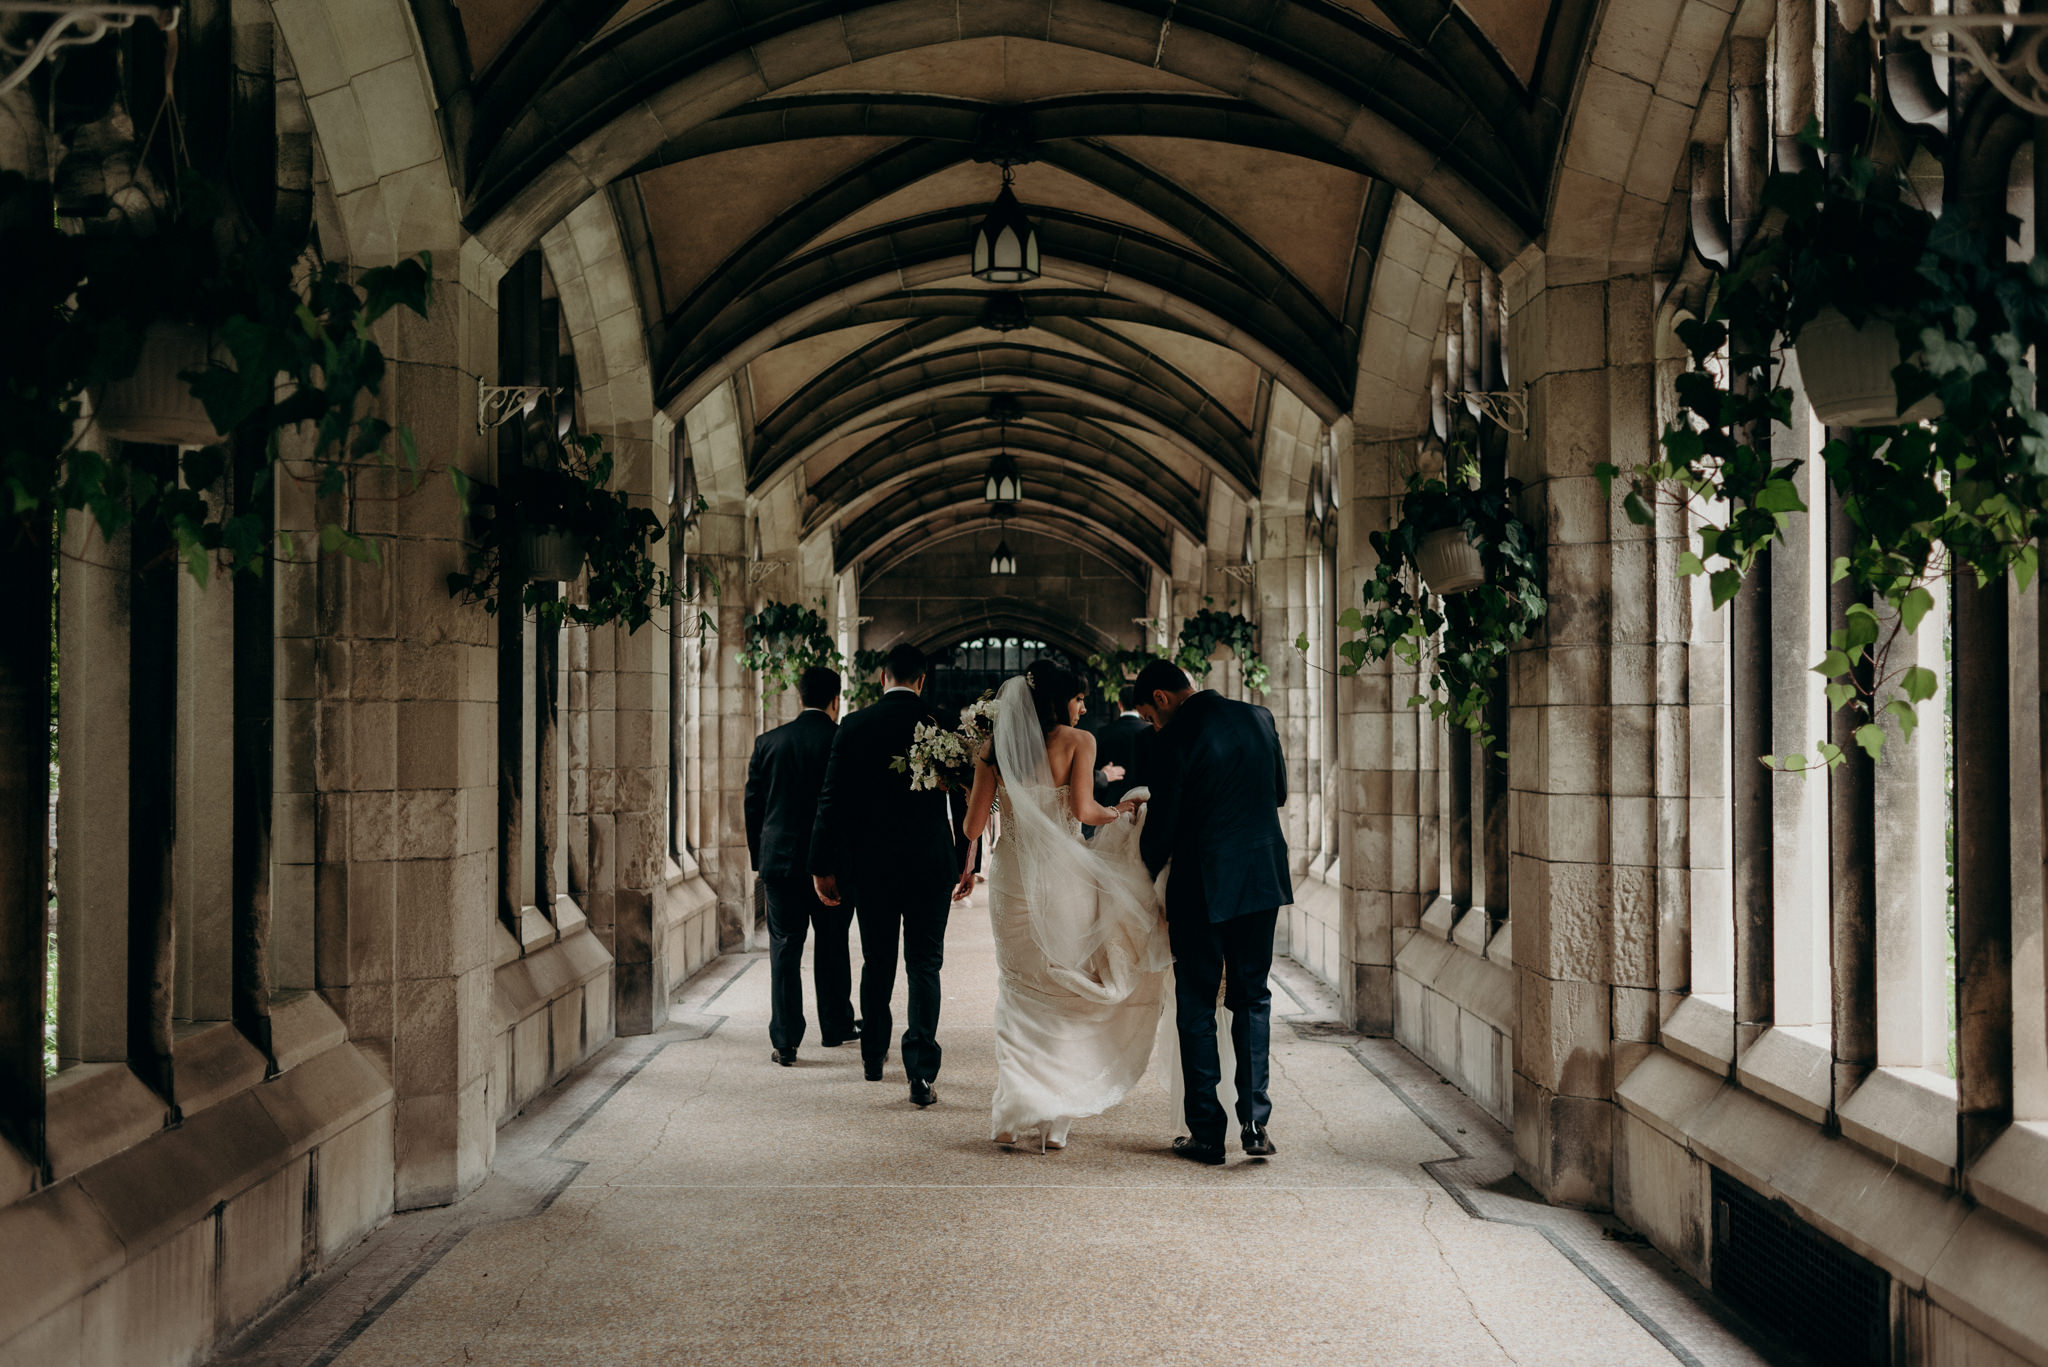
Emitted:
<point x="1120" y="746"/>
<point x="783" y="779"/>
<point x="1218" y="781"/>
<point x="893" y="853"/>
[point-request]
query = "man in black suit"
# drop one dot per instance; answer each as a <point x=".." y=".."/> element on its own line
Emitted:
<point x="1218" y="781"/>
<point x="1119" y="751"/>
<point x="783" y="779"/>
<point x="890" y="852"/>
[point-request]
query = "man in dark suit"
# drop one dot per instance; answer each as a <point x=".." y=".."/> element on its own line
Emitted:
<point x="1119" y="747"/>
<point x="890" y="852"/>
<point x="1218" y="780"/>
<point x="783" y="779"/>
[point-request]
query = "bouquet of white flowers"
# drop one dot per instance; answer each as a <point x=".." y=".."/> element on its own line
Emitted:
<point x="935" y="756"/>
<point x="978" y="720"/>
<point x="940" y="758"/>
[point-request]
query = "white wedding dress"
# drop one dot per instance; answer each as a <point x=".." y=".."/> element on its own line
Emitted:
<point x="1081" y="949"/>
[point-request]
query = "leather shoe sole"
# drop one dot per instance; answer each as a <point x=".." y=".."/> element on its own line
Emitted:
<point x="1257" y="1143"/>
<point x="1185" y="1147"/>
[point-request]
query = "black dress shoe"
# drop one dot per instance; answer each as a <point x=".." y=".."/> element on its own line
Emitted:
<point x="836" y="1041"/>
<point x="785" y="1057"/>
<point x="922" y="1093"/>
<point x="873" y="1070"/>
<point x="1185" y="1146"/>
<point x="1257" y="1143"/>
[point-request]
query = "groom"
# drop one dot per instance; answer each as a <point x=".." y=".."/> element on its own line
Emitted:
<point x="890" y="851"/>
<point x="1218" y="780"/>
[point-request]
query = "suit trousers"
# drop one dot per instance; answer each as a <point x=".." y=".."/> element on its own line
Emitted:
<point x="1237" y="955"/>
<point x="918" y="913"/>
<point x="793" y="909"/>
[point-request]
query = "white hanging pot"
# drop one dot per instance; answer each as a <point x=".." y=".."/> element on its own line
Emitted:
<point x="1847" y="373"/>
<point x="154" y="405"/>
<point x="1449" y="562"/>
<point x="551" y="556"/>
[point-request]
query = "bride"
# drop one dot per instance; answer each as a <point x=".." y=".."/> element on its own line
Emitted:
<point x="1081" y="942"/>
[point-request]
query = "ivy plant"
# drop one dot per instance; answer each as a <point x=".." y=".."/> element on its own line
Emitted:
<point x="1211" y="628"/>
<point x="570" y="493"/>
<point x="1961" y="493"/>
<point x="1459" y="643"/>
<point x="863" y="686"/>
<point x="294" y="351"/>
<point x="782" y="641"/>
<point x="1115" y="669"/>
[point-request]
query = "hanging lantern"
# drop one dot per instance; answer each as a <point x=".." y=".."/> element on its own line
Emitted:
<point x="1004" y="561"/>
<point x="1003" y="484"/>
<point x="1006" y="242"/>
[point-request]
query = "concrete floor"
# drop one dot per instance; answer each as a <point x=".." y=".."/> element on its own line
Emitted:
<point x="683" y="1200"/>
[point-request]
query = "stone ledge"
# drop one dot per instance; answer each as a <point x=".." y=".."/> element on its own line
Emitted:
<point x="213" y="1062"/>
<point x="529" y="983"/>
<point x="1880" y="1211"/>
<point x="2011" y="1177"/>
<point x="1788" y="1065"/>
<point x="94" y="1111"/>
<point x="1908" y="1115"/>
<point x="1702" y="1032"/>
<point x="302" y="1027"/>
<point x="1991" y="1276"/>
<point x="86" y="1227"/>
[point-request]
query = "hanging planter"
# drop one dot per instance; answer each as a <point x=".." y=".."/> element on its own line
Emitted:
<point x="155" y="404"/>
<point x="1449" y="562"/>
<point x="1847" y="372"/>
<point x="551" y="555"/>
<point x="1211" y="636"/>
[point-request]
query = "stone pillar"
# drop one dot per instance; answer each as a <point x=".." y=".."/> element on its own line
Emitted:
<point x="1387" y="832"/>
<point x="1583" y="737"/>
<point x="638" y="804"/>
<point x="406" y="797"/>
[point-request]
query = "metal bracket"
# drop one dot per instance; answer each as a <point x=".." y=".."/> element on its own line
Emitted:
<point x="496" y="403"/>
<point x="1507" y="407"/>
<point x="76" y="25"/>
<point x="2021" y="77"/>
<point x="757" y="570"/>
<point x="1246" y="575"/>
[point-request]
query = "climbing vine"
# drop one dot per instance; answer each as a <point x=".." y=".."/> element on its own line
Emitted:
<point x="1211" y="629"/>
<point x="782" y="641"/>
<point x="1963" y="491"/>
<point x="1460" y="642"/>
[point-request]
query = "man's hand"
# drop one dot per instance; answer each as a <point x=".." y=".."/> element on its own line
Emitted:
<point x="1113" y="773"/>
<point x="827" y="888"/>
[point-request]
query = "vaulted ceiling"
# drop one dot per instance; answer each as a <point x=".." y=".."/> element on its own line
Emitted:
<point x="796" y="184"/>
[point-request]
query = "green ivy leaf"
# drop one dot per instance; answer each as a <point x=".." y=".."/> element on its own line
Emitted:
<point x="1871" y="737"/>
<point x="1690" y="564"/>
<point x="1919" y="684"/>
<point x="1833" y="663"/>
<point x="1907" y="718"/>
<point x="1839" y="695"/>
<point x="1917" y="603"/>
<point x="1862" y="625"/>
<point x="1725" y="584"/>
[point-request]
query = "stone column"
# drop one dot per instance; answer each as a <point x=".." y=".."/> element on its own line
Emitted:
<point x="1583" y="735"/>
<point x="406" y="795"/>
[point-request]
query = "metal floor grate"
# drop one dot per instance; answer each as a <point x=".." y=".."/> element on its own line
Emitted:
<point x="1832" y="1304"/>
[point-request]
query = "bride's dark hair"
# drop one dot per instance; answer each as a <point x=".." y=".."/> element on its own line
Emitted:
<point x="1052" y="688"/>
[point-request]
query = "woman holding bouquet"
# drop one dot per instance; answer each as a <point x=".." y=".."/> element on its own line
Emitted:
<point x="1080" y="940"/>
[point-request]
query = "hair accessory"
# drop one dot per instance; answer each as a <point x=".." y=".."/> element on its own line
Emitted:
<point x="1031" y="680"/>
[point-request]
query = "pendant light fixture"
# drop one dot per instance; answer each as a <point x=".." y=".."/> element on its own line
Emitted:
<point x="1003" y="484"/>
<point x="1005" y="250"/>
<point x="1004" y="561"/>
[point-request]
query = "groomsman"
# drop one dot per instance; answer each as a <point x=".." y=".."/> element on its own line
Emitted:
<point x="1119" y="750"/>
<point x="783" y="780"/>
<point x="894" y="854"/>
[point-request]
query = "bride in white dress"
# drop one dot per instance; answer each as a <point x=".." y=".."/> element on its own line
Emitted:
<point x="1080" y="937"/>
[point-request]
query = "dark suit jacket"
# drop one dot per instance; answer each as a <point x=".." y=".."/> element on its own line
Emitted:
<point x="872" y="829"/>
<point x="1218" y="781"/>
<point x="783" y="779"/>
<point x="1122" y="741"/>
